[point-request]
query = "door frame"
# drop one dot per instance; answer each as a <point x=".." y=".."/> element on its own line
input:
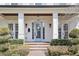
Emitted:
<point x="34" y="33"/>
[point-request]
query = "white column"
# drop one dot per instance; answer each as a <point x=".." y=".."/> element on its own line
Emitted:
<point x="55" y="25"/>
<point x="21" y="34"/>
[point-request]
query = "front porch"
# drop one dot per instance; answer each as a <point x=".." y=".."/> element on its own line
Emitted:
<point x="39" y="24"/>
<point x="40" y="27"/>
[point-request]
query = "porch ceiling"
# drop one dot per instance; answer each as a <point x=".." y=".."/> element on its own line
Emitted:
<point x="67" y="16"/>
<point x="63" y="16"/>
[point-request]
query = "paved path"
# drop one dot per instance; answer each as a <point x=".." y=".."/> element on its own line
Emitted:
<point x="36" y="53"/>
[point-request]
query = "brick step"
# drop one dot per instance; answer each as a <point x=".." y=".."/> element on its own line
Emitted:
<point x="38" y="49"/>
<point x="37" y="43"/>
<point x="38" y="46"/>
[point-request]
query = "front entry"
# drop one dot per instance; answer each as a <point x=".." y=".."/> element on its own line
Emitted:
<point x="37" y="31"/>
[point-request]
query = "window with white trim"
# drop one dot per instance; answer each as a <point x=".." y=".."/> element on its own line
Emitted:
<point x="65" y="31"/>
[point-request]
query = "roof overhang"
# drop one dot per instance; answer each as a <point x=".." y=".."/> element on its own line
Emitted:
<point x="38" y="5"/>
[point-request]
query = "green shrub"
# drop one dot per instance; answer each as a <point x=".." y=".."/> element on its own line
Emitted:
<point x="75" y="41"/>
<point x="2" y="41"/>
<point x="60" y="42"/>
<point x="4" y="31"/>
<point x="62" y="50"/>
<point x="74" y="33"/>
<point x="72" y="50"/>
<point x="57" y="53"/>
<point x="23" y="52"/>
<point x="16" y="41"/>
<point x="58" y="50"/>
<point x="17" y="50"/>
<point x="77" y="54"/>
<point x="3" y="48"/>
<point x="4" y="37"/>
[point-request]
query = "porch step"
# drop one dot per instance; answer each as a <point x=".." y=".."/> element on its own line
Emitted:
<point x="36" y="43"/>
<point x="38" y="46"/>
<point x="38" y="49"/>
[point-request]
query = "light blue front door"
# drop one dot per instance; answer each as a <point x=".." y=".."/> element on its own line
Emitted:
<point x="38" y="31"/>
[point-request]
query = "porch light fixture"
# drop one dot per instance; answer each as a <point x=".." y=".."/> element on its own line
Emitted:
<point x="28" y="29"/>
<point x="50" y="25"/>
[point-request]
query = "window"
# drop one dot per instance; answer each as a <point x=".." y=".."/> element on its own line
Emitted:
<point x="65" y="27"/>
<point x="16" y="31"/>
<point x="59" y="30"/>
<point x="43" y="32"/>
<point x="32" y="30"/>
<point x="65" y="31"/>
<point x="11" y="29"/>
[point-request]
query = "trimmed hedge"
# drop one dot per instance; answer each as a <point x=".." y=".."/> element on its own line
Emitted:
<point x="62" y="50"/>
<point x="16" y="41"/>
<point x="60" y="42"/>
<point x="58" y="50"/>
<point x="17" y="50"/>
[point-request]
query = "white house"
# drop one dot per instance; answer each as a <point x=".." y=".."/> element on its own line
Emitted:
<point x="38" y="21"/>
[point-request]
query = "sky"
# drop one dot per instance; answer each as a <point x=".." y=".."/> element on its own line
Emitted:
<point x="39" y="1"/>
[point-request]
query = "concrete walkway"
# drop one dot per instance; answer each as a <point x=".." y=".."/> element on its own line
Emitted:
<point x="36" y="53"/>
